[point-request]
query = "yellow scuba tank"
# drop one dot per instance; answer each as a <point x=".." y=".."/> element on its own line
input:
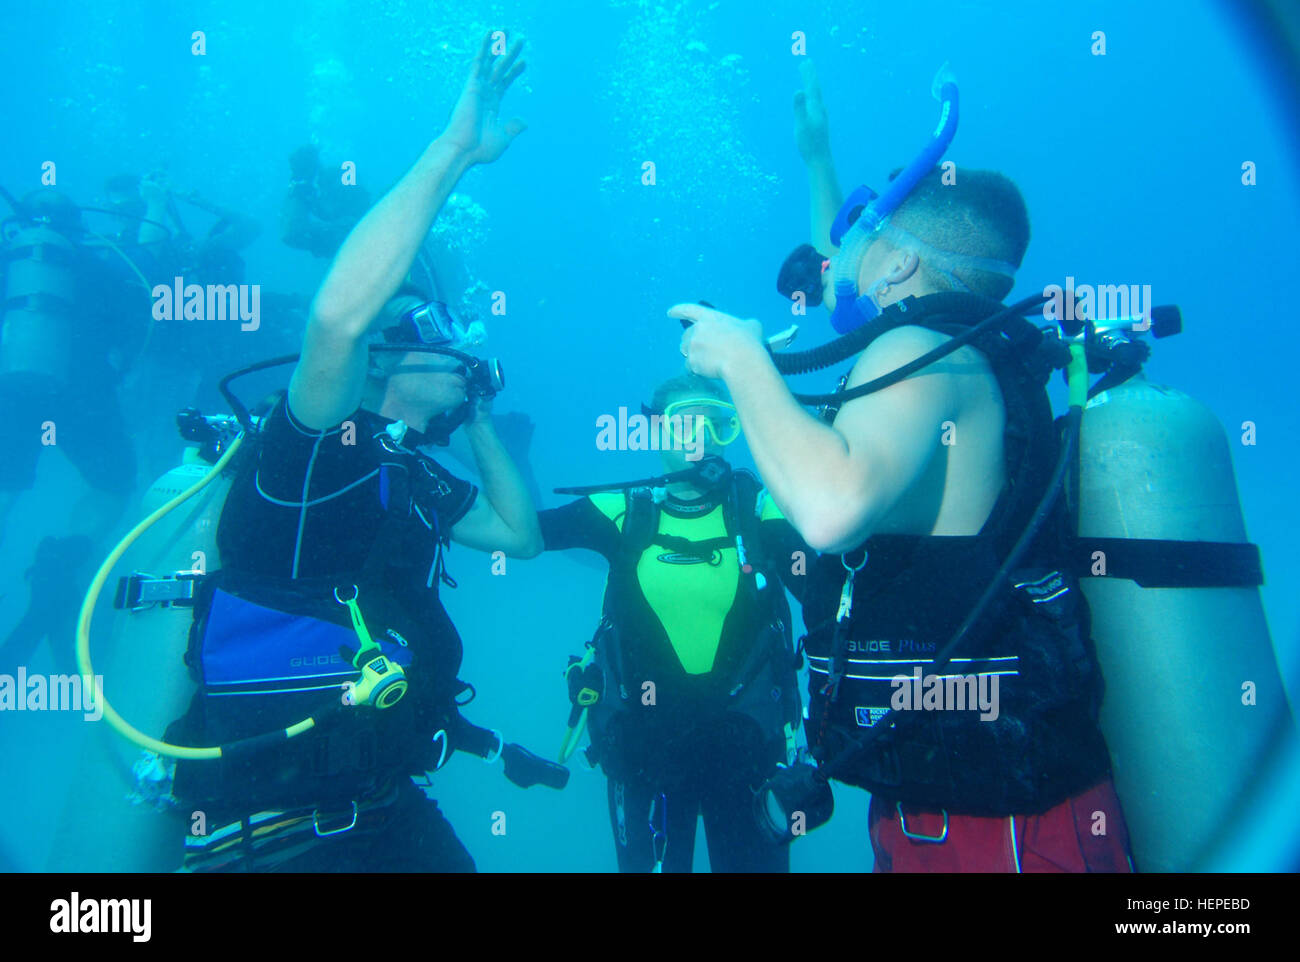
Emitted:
<point x="39" y="303"/>
<point x="1194" y="700"/>
<point x="141" y="657"/>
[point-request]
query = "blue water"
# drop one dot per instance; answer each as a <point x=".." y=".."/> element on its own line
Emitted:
<point x="1130" y="165"/>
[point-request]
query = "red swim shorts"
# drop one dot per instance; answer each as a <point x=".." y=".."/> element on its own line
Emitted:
<point x="1084" y="833"/>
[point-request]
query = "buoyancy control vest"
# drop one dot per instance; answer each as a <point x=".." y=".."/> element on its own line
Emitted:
<point x="266" y="651"/>
<point x="1011" y="724"/>
<point x="648" y="713"/>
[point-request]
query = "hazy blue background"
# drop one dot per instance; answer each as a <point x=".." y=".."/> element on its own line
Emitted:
<point x="1130" y="164"/>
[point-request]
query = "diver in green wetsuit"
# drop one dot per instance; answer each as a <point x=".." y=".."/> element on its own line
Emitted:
<point x="692" y="672"/>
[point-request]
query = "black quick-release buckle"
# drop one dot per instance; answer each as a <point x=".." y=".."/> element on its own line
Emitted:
<point x="140" y="590"/>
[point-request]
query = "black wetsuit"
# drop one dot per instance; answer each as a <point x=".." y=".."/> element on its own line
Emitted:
<point x="691" y="753"/>
<point x="310" y="513"/>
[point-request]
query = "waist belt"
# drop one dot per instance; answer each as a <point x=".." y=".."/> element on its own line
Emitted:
<point x="264" y="840"/>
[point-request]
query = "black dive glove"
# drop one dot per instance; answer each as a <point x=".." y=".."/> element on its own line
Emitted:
<point x="522" y="767"/>
<point x="526" y="769"/>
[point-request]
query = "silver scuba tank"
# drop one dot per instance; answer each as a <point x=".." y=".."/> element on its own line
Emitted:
<point x="1194" y="698"/>
<point x="105" y="824"/>
<point x="39" y="303"/>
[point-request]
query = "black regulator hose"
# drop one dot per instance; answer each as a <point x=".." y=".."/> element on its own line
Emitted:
<point x="843" y="348"/>
<point x="10" y="200"/>
<point x="937" y="305"/>
<point x="237" y="406"/>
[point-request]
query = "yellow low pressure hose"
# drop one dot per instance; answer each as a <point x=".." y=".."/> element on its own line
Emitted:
<point x="118" y="723"/>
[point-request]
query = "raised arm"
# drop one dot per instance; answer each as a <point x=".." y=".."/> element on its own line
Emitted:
<point x="330" y="377"/>
<point x="813" y="138"/>
<point x="505" y="518"/>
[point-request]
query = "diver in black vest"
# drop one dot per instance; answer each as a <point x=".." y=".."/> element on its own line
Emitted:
<point x="689" y="687"/>
<point x="919" y="491"/>
<point x="332" y="545"/>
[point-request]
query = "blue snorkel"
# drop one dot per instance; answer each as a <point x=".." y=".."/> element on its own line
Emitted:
<point x="853" y="236"/>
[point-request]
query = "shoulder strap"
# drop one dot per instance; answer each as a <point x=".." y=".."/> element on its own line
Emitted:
<point x="740" y="509"/>
<point x="1030" y="438"/>
<point x="640" y="523"/>
<point x="740" y="512"/>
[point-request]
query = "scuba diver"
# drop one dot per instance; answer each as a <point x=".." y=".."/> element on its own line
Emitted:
<point x="319" y="209"/>
<point x="688" y="688"/>
<point x="185" y="359"/>
<point x="922" y="483"/>
<point x="152" y="219"/>
<point x="1139" y="514"/>
<point x="332" y="543"/>
<point x="71" y="315"/>
<point x="182" y="360"/>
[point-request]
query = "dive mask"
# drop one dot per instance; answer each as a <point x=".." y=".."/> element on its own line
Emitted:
<point x="684" y="420"/>
<point x="433" y="323"/>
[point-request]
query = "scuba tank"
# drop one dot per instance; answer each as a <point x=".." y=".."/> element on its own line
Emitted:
<point x="1184" y="737"/>
<point x="40" y="291"/>
<point x="143" y="658"/>
<point x="50" y="262"/>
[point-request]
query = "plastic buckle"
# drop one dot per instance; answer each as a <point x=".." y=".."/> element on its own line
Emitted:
<point x="315" y="824"/>
<point x="917" y="837"/>
<point x="140" y="591"/>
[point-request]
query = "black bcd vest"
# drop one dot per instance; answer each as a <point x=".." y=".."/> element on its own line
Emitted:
<point x="760" y="693"/>
<point x="1032" y="740"/>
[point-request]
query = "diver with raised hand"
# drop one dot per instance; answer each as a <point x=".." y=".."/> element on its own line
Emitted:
<point x="688" y="688"/>
<point x="336" y="528"/>
<point x="923" y="485"/>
